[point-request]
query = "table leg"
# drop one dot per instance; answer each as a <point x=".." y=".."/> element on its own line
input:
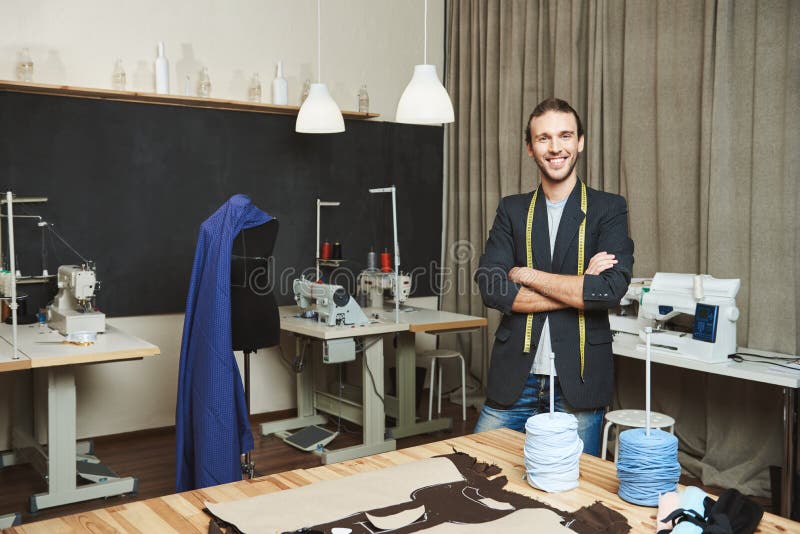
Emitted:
<point x="306" y="413"/>
<point x="789" y="451"/>
<point x="407" y="424"/>
<point x="372" y="394"/>
<point x="20" y="416"/>
<point x="61" y="449"/>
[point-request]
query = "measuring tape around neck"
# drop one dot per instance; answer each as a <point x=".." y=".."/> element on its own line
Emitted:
<point x="581" y="252"/>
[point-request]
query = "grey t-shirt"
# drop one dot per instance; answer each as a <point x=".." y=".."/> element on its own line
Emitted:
<point x="541" y="362"/>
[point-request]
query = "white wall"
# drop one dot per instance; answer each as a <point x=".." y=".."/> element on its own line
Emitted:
<point x="376" y="42"/>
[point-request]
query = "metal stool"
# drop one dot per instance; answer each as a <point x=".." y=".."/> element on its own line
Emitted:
<point x="633" y="419"/>
<point x="440" y="354"/>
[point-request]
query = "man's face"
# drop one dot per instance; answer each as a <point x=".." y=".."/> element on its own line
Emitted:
<point x="555" y="145"/>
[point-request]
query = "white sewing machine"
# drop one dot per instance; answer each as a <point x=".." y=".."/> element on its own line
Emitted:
<point x="628" y="319"/>
<point x="72" y="311"/>
<point x="374" y="284"/>
<point x="711" y="302"/>
<point x="333" y="304"/>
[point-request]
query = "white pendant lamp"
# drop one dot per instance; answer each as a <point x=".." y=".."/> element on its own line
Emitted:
<point x="425" y="100"/>
<point x="319" y="113"/>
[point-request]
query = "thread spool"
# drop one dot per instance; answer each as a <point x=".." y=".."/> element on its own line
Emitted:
<point x="386" y="262"/>
<point x="697" y="287"/>
<point x="647" y="465"/>
<point x="325" y="250"/>
<point x="552" y="451"/>
<point x="337" y="251"/>
<point x="372" y="261"/>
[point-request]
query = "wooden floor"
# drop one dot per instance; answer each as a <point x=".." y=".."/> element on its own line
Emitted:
<point x="150" y="456"/>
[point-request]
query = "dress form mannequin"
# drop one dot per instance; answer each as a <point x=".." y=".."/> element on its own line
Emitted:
<point x="255" y="322"/>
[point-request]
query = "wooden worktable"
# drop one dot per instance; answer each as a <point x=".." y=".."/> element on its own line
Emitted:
<point x="431" y="321"/>
<point x="183" y="512"/>
<point x="290" y="322"/>
<point x="39" y="346"/>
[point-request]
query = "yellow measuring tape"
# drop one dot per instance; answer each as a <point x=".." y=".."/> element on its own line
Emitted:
<point x="581" y="252"/>
<point x="529" y="259"/>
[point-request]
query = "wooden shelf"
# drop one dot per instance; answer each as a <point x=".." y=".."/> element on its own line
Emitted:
<point x="166" y="100"/>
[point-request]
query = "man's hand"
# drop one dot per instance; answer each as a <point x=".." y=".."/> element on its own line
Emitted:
<point x="529" y="301"/>
<point x="600" y="262"/>
<point x="546" y="285"/>
<point x="522" y="275"/>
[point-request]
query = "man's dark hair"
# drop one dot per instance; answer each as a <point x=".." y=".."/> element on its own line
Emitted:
<point x="551" y="104"/>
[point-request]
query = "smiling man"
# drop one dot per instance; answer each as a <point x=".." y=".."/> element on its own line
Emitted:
<point x="556" y="260"/>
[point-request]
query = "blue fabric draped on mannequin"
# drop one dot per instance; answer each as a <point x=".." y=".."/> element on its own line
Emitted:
<point x="211" y="419"/>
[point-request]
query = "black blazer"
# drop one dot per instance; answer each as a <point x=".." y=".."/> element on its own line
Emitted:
<point x="606" y="230"/>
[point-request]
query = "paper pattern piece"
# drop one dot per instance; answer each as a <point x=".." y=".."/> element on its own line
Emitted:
<point x="328" y="500"/>
<point x="445" y="495"/>
<point x="525" y="521"/>
<point x="395" y="521"/>
<point x="497" y="505"/>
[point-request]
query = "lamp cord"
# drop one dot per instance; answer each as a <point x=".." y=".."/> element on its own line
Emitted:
<point x="319" y="39"/>
<point x="426" y="32"/>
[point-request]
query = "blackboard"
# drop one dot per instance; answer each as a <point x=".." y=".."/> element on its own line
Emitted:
<point x="130" y="183"/>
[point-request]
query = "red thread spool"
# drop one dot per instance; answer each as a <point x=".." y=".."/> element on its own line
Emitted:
<point x="325" y="251"/>
<point x="386" y="262"/>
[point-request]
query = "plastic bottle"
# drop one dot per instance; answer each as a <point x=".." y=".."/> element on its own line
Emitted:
<point x="204" y="83"/>
<point x="162" y="71"/>
<point x="24" y="66"/>
<point x="363" y="100"/>
<point x="254" y="91"/>
<point x="118" y="78"/>
<point x="280" y="87"/>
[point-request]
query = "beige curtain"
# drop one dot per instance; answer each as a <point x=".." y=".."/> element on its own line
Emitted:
<point x="691" y="112"/>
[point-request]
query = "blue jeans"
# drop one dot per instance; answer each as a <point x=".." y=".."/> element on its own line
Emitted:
<point x="535" y="399"/>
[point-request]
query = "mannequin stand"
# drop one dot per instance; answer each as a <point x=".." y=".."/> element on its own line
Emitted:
<point x="248" y="465"/>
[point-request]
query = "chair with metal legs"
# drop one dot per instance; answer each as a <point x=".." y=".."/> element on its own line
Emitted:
<point x="436" y="355"/>
<point x="632" y="419"/>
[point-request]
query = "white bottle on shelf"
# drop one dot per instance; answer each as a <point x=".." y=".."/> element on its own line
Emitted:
<point x="162" y="71"/>
<point x="280" y="94"/>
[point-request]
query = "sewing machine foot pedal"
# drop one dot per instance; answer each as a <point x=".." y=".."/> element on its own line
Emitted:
<point x="311" y="438"/>
<point x="95" y="472"/>
<point x="87" y="458"/>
